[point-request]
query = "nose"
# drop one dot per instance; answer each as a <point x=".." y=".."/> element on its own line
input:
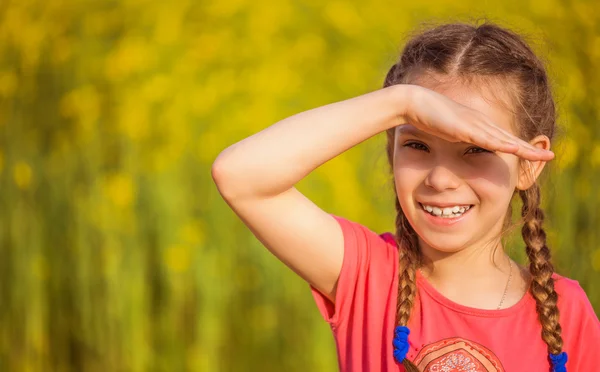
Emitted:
<point x="441" y="178"/>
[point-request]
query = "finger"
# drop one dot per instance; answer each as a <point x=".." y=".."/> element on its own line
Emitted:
<point x="524" y="148"/>
<point x="481" y="137"/>
<point x="473" y="130"/>
<point x="498" y="132"/>
<point x="537" y="154"/>
<point x="527" y="150"/>
<point x="511" y="137"/>
<point x="481" y="134"/>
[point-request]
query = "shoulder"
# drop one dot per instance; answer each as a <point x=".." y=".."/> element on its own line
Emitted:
<point x="361" y="237"/>
<point x="569" y="289"/>
<point x="573" y="302"/>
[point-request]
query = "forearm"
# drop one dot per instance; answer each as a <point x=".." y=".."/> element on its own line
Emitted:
<point x="276" y="158"/>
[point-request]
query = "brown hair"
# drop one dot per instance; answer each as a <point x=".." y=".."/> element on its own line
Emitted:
<point x="486" y="52"/>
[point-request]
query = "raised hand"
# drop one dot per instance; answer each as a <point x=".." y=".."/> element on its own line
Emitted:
<point x="436" y="114"/>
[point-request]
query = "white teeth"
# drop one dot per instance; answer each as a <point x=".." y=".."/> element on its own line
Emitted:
<point x="448" y="212"/>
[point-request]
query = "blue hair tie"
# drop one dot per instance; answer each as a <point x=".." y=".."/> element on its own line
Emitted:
<point x="558" y="362"/>
<point x="400" y="343"/>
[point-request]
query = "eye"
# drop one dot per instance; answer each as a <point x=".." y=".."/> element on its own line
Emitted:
<point x="416" y="146"/>
<point x="476" y="150"/>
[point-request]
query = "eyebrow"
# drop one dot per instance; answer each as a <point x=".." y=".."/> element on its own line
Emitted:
<point x="410" y="130"/>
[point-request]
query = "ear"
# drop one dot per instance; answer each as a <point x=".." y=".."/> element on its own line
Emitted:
<point x="529" y="171"/>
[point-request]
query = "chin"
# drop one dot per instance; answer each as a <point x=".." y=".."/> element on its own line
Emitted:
<point x="444" y="243"/>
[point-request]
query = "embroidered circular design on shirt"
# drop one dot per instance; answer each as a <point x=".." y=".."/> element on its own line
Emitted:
<point x="457" y="354"/>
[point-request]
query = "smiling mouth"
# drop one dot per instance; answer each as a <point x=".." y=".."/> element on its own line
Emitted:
<point x="447" y="212"/>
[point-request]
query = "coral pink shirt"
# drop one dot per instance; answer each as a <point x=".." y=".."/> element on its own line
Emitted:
<point x="445" y="336"/>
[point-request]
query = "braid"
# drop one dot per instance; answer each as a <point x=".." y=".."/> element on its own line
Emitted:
<point x="408" y="248"/>
<point x="541" y="269"/>
<point x="408" y="258"/>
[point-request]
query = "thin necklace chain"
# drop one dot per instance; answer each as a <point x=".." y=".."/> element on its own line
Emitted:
<point x="505" y="289"/>
<point x="507" y="285"/>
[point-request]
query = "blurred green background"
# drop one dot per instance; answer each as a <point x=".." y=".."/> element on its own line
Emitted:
<point x="116" y="251"/>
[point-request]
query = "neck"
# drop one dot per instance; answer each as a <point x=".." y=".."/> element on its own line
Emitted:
<point x="484" y="261"/>
<point x="478" y="275"/>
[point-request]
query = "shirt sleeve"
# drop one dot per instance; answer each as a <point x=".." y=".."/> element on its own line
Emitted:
<point x="580" y="328"/>
<point x="367" y="273"/>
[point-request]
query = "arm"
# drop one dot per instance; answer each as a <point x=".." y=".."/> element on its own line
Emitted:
<point x="275" y="159"/>
<point x="256" y="177"/>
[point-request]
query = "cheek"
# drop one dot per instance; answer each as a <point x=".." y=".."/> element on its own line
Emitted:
<point x="411" y="167"/>
<point x="493" y="177"/>
<point x="408" y="178"/>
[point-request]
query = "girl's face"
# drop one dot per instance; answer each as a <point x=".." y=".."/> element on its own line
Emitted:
<point x="455" y="194"/>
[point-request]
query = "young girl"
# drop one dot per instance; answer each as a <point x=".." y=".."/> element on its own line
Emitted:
<point x="469" y="118"/>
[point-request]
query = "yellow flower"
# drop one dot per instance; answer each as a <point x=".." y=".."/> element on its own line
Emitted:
<point x="344" y="17"/>
<point x="177" y="258"/>
<point x="23" y="175"/>
<point x="132" y="55"/>
<point x="157" y="88"/>
<point x="226" y="8"/>
<point x="193" y="232"/>
<point x="62" y="50"/>
<point x="83" y="105"/>
<point x="8" y="83"/>
<point x="133" y="119"/>
<point x="119" y="188"/>
<point x="168" y="25"/>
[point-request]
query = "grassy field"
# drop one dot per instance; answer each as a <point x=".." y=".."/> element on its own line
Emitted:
<point x="116" y="251"/>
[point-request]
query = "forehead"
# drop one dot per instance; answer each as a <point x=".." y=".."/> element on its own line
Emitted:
<point x="487" y="96"/>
